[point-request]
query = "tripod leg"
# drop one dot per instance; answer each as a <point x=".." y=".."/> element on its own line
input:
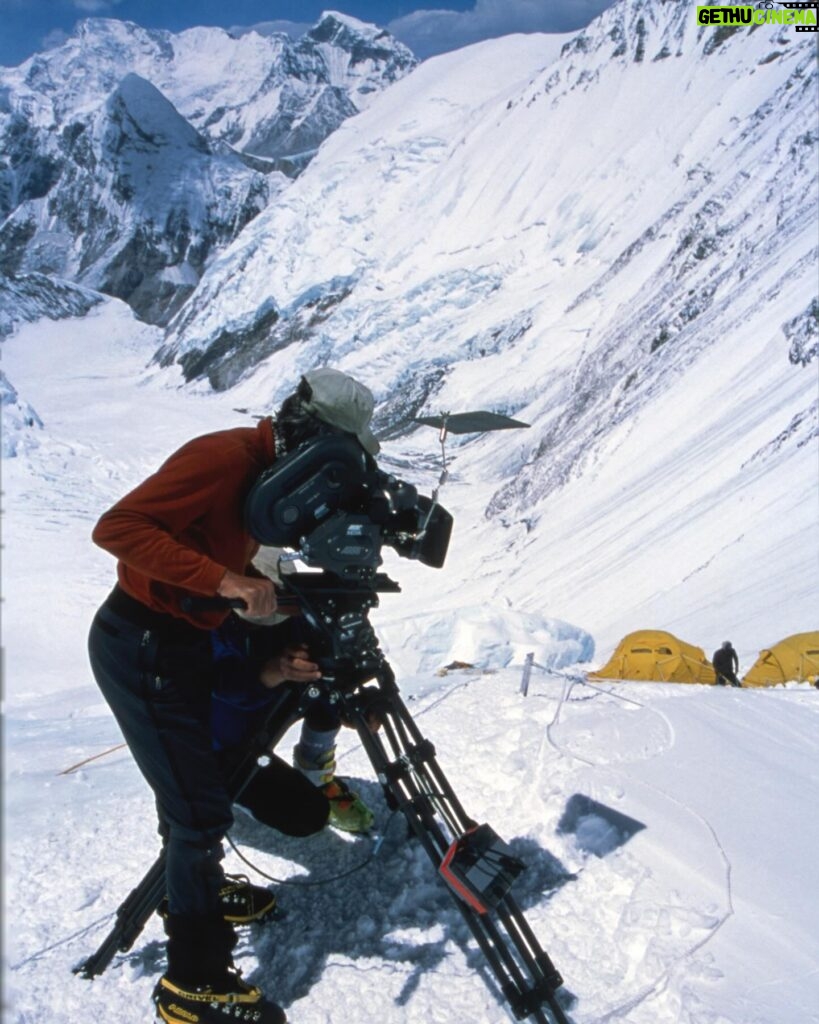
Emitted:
<point x="132" y="916"/>
<point x="405" y="764"/>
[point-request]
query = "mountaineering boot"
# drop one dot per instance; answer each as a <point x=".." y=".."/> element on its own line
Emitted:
<point x="231" y="1000"/>
<point x="348" y="811"/>
<point x="201" y="984"/>
<point x="241" y="902"/>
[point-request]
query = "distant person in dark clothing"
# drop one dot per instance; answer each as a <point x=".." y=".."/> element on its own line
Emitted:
<point x="726" y="665"/>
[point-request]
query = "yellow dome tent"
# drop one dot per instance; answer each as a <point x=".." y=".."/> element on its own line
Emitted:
<point x="652" y="654"/>
<point x="794" y="659"/>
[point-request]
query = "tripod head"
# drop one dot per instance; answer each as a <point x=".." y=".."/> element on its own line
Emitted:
<point x="342" y="641"/>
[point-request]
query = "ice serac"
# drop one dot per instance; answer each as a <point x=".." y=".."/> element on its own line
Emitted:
<point x="31" y="297"/>
<point x="20" y="420"/>
<point x="130" y="157"/>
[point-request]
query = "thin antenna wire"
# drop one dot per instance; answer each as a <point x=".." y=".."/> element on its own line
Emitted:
<point x="442" y="479"/>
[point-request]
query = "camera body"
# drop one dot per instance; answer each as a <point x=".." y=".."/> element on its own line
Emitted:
<point x="330" y="501"/>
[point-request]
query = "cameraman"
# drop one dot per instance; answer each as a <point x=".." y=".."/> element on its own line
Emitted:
<point x="182" y="532"/>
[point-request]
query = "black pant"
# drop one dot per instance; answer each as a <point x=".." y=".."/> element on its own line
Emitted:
<point x="279" y="795"/>
<point x="156" y="674"/>
<point x="164" y="714"/>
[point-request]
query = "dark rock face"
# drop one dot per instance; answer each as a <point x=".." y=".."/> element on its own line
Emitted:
<point x="288" y="135"/>
<point x="32" y="296"/>
<point x="236" y="351"/>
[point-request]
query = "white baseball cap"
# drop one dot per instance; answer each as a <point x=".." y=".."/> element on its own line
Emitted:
<point x="342" y="402"/>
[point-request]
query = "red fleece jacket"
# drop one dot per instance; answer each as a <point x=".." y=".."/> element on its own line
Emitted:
<point x="182" y="528"/>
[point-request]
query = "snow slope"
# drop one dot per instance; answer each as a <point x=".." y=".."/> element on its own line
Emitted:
<point x="612" y="238"/>
<point x="669" y="832"/>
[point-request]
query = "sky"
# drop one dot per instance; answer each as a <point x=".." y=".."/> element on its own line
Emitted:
<point x="28" y="26"/>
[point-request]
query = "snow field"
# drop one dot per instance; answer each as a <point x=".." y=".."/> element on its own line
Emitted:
<point x="669" y="831"/>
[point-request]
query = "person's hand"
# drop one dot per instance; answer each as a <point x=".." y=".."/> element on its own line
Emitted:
<point x="257" y="592"/>
<point x="369" y="702"/>
<point x="292" y="665"/>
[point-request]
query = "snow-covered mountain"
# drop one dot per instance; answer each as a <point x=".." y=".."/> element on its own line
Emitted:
<point x="668" y="831"/>
<point x="611" y="237"/>
<point x="129" y="157"/>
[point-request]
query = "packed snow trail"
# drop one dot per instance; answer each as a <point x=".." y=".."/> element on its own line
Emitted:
<point x="639" y="740"/>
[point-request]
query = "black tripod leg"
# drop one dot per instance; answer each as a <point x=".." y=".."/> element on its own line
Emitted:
<point x="407" y="768"/>
<point x="132" y="916"/>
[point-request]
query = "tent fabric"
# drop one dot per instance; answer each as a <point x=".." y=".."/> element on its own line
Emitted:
<point x="656" y="656"/>
<point x="794" y="659"/>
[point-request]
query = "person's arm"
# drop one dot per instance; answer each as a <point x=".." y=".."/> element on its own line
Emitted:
<point x="141" y="529"/>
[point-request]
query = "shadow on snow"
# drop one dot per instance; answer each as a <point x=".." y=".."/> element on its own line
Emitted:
<point x="349" y="902"/>
<point x="353" y="899"/>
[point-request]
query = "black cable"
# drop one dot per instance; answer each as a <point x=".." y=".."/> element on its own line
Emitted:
<point x="62" y="942"/>
<point x="322" y="881"/>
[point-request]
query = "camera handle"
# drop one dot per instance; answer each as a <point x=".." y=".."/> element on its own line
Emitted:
<point x="477" y="422"/>
<point x="442" y="479"/>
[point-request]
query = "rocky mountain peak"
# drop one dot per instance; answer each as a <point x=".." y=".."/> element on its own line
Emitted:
<point x="139" y="116"/>
<point x="129" y="157"/>
<point x="360" y="39"/>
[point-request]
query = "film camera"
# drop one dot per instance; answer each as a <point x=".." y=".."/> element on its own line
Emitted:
<point x="329" y="501"/>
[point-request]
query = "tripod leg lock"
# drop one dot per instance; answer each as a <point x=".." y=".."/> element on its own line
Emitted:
<point x="480" y="868"/>
<point x="412" y="758"/>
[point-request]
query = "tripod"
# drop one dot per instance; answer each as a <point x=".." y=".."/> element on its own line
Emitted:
<point x="477" y="867"/>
